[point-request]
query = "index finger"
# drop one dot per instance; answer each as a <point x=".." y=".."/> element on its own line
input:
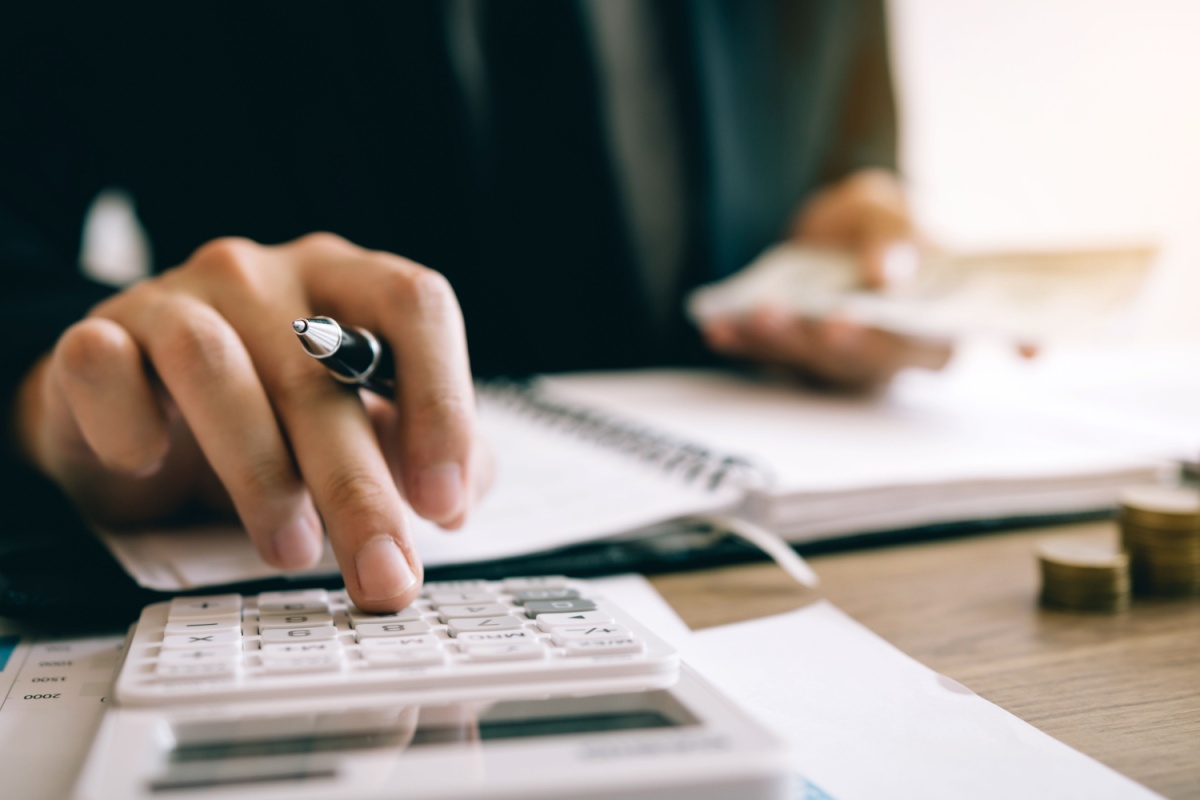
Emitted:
<point x="415" y="310"/>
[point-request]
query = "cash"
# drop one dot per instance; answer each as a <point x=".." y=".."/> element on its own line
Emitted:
<point x="1084" y="575"/>
<point x="1160" y="529"/>
<point x="1026" y="297"/>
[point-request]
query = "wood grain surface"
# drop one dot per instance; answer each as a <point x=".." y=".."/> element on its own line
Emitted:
<point x="1124" y="688"/>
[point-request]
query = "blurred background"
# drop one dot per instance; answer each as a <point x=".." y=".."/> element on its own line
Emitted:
<point x="1058" y="123"/>
<point x="1024" y="124"/>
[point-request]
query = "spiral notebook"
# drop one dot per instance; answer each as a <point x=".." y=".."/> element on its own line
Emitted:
<point x="623" y="457"/>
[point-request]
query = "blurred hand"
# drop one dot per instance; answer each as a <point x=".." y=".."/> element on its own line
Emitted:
<point x="865" y="213"/>
<point x="190" y="389"/>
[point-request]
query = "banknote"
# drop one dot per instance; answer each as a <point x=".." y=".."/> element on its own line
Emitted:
<point x="1024" y="296"/>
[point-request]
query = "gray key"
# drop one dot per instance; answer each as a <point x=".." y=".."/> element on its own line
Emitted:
<point x="536" y="607"/>
<point x="505" y="623"/>
<point x="532" y="595"/>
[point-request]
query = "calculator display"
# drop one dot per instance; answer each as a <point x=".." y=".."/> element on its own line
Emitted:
<point x="250" y="751"/>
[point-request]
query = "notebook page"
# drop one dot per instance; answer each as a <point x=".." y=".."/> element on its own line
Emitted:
<point x="820" y="443"/>
<point x="554" y="489"/>
<point x="851" y="465"/>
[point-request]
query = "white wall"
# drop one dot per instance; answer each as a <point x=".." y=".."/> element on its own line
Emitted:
<point x="1058" y="122"/>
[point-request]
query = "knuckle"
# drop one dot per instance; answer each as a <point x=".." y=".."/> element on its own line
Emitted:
<point x="197" y="341"/>
<point x="324" y="240"/>
<point x="353" y="492"/>
<point x="421" y="291"/>
<point x="87" y="346"/>
<point x="263" y="474"/>
<point x="440" y="425"/>
<point x="231" y="260"/>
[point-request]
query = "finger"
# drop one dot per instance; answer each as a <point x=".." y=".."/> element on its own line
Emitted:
<point x="415" y="309"/>
<point x="98" y="368"/>
<point x="206" y="369"/>
<point x="329" y="431"/>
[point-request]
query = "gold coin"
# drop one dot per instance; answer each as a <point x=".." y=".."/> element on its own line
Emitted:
<point x="1161" y="506"/>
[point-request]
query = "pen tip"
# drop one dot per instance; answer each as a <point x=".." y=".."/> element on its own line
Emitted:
<point x="300" y="325"/>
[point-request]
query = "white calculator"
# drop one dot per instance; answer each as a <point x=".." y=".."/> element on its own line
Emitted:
<point x="523" y="688"/>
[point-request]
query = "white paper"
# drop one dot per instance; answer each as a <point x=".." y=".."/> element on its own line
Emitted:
<point x="53" y="692"/>
<point x="866" y="721"/>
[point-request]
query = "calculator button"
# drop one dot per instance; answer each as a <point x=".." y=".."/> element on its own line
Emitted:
<point x="287" y="635"/>
<point x="211" y="640"/>
<point x="329" y="646"/>
<point x="504" y="623"/>
<point x="549" y="622"/>
<point x="369" y="630"/>
<point x="567" y="633"/>
<point x="439" y="599"/>
<point x="417" y="657"/>
<point x="534" y="608"/>
<point x="196" y="655"/>
<point x="435" y="587"/>
<point x="215" y="606"/>
<point x="448" y="613"/>
<point x="498" y="637"/>
<point x="311" y="662"/>
<point x="299" y="601"/>
<point x="530" y="595"/>
<point x="198" y="669"/>
<point x="603" y="647"/>
<point x="185" y="626"/>
<point x="396" y="644"/>
<point x="409" y="614"/>
<point x="536" y="582"/>
<point x="503" y="652"/>
<point x="307" y="620"/>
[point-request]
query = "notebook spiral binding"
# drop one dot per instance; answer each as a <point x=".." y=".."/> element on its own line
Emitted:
<point x="689" y="461"/>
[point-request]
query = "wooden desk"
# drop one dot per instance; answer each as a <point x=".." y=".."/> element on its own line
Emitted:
<point x="1125" y="689"/>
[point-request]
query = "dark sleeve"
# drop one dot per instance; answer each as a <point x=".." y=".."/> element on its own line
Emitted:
<point x="51" y="171"/>
<point x="866" y="124"/>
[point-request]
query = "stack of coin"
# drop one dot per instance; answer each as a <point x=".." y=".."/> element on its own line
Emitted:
<point x="1160" y="529"/>
<point x="1084" y="575"/>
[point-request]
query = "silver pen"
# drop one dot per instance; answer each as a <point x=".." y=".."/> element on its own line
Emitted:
<point x="352" y="355"/>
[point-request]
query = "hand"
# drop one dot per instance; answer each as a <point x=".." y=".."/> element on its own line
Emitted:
<point x="190" y="389"/>
<point x="865" y="213"/>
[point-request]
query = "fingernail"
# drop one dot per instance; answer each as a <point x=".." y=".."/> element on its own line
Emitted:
<point x="383" y="571"/>
<point x="298" y="544"/>
<point x="900" y="264"/>
<point x="440" y="492"/>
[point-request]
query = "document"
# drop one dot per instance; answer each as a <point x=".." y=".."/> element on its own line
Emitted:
<point x="864" y="720"/>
